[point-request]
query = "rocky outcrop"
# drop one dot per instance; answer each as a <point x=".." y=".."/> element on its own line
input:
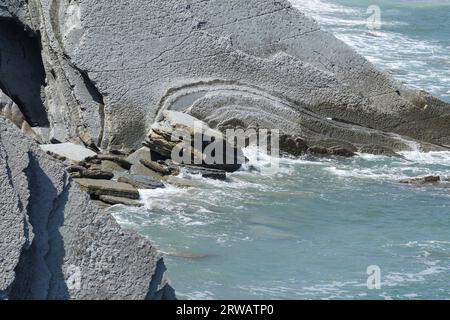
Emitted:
<point x="56" y="244"/>
<point x="108" y="80"/>
<point x="193" y="142"/>
<point x="10" y="110"/>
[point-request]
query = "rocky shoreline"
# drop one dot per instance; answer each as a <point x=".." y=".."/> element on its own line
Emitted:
<point x="82" y="88"/>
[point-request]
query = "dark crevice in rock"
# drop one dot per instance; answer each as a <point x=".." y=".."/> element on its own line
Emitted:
<point x="155" y="291"/>
<point x="32" y="274"/>
<point x="22" y="75"/>
<point x="55" y="256"/>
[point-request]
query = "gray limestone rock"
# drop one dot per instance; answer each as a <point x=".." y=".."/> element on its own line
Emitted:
<point x="69" y="150"/>
<point x="119" y="200"/>
<point x="93" y="174"/>
<point x="110" y="166"/>
<point x="176" y="129"/>
<point x="109" y="80"/>
<point x="142" y="153"/>
<point x="141" y="170"/>
<point x="140" y="181"/>
<point x="56" y="244"/>
<point x="107" y="187"/>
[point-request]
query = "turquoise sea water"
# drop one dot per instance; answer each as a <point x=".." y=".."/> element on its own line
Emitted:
<point x="311" y="230"/>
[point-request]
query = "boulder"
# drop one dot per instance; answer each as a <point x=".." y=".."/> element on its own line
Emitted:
<point x="141" y="182"/>
<point x="107" y="187"/>
<point x="168" y="133"/>
<point x="70" y="151"/>
<point x="295" y="146"/>
<point x="120" y="200"/>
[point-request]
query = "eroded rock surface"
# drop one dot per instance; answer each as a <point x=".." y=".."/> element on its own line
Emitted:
<point x="193" y="142"/>
<point x="112" y="69"/>
<point x="56" y="244"/>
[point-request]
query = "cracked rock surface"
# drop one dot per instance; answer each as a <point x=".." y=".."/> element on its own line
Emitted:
<point x="56" y="244"/>
<point x="112" y="67"/>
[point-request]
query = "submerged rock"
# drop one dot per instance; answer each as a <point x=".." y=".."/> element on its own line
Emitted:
<point x="422" y="180"/>
<point x="182" y="183"/>
<point x="331" y="148"/>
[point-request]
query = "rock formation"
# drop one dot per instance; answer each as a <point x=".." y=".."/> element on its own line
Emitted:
<point x="101" y="74"/>
<point x="56" y="244"/>
<point x="111" y="69"/>
<point x="193" y="142"/>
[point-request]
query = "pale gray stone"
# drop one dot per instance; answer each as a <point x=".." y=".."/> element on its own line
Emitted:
<point x="50" y="232"/>
<point x="109" y="79"/>
<point x="70" y="151"/>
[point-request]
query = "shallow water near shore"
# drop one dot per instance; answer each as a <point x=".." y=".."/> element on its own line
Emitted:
<point x="308" y="232"/>
<point x="311" y="230"/>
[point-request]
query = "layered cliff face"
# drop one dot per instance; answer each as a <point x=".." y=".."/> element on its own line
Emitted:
<point x="55" y="244"/>
<point x="112" y="67"/>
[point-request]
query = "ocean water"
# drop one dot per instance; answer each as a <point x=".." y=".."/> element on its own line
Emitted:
<point x="413" y="43"/>
<point x="311" y="230"/>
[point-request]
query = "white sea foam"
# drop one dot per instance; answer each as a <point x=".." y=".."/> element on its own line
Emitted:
<point x="441" y="158"/>
<point x="419" y="63"/>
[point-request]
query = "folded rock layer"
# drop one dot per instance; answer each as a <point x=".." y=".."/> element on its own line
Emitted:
<point x="112" y="67"/>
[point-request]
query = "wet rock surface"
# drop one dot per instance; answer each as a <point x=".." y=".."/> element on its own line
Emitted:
<point x="111" y="200"/>
<point x="423" y="180"/>
<point x="141" y="181"/>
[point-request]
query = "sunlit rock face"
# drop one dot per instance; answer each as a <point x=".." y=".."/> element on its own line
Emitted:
<point x="113" y="66"/>
<point x="56" y="244"/>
